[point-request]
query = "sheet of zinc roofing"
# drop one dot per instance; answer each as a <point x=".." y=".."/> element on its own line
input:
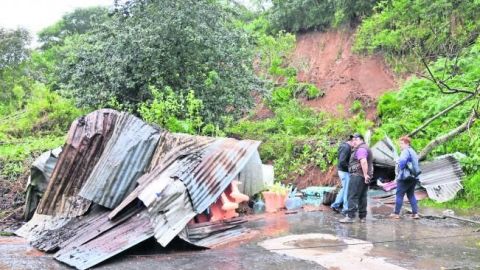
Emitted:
<point x="168" y="205"/>
<point x="170" y="148"/>
<point x="207" y="173"/>
<point x="125" y="158"/>
<point x="442" y="178"/>
<point x="83" y="255"/>
<point x="86" y="141"/>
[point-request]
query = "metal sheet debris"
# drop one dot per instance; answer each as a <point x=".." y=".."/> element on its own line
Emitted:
<point x="384" y="153"/>
<point x="85" y="144"/>
<point x="213" y="234"/>
<point x="108" y="244"/>
<point x="40" y="173"/>
<point x="125" y="158"/>
<point x="208" y="173"/>
<point x="177" y="176"/>
<point x="442" y="178"/>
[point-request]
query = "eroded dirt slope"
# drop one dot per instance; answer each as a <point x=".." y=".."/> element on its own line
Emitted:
<point x="326" y="59"/>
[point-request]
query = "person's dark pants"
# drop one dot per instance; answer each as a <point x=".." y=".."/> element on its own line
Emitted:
<point x="406" y="187"/>
<point x="357" y="196"/>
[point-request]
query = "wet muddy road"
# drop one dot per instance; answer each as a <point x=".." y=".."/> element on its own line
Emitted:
<point x="306" y="240"/>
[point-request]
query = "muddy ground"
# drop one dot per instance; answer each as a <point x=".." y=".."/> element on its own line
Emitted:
<point x="303" y="240"/>
<point x="326" y="60"/>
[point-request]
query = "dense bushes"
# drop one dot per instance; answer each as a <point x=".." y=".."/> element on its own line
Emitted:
<point x="183" y="45"/>
<point x="433" y="28"/>
<point x="294" y="15"/>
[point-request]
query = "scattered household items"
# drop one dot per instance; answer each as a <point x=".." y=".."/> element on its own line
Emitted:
<point x="317" y="195"/>
<point x="293" y="201"/>
<point x="119" y="181"/>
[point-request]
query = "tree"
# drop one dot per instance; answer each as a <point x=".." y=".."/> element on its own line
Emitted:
<point x="183" y="45"/>
<point x="13" y="54"/>
<point x="80" y="21"/>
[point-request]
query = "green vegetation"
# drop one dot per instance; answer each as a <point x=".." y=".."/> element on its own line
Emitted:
<point x="431" y="28"/>
<point x="184" y="46"/>
<point x="294" y="15"/>
<point x="420" y="99"/>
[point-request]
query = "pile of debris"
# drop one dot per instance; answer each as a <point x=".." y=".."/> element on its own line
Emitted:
<point x="119" y="181"/>
<point x="440" y="179"/>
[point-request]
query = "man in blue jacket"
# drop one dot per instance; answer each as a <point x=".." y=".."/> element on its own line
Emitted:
<point x="344" y="151"/>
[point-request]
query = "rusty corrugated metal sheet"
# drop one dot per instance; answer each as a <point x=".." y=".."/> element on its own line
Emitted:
<point x="168" y="205"/>
<point x="442" y="178"/>
<point x="86" y="141"/>
<point x="171" y="147"/>
<point x="39" y="225"/>
<point x="208" y="172"/>
<point x="125" y="158"/>
<point x="212" y="234"/>
<point x="106" y="244"/>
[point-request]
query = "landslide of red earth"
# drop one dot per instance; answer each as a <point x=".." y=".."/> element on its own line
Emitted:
<point x="326" y="59"/>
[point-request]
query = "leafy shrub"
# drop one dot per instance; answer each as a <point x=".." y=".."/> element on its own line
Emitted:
<point x="433" y="28"/>
<point x="174" y="112"/>
<point x="184" y="45"/>
<point x="294" y="15"/>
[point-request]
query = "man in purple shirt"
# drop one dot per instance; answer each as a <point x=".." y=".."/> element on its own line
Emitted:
<point x="360" y="168"/>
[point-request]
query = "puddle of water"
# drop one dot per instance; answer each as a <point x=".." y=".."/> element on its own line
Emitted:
<point x="353" y="255"/>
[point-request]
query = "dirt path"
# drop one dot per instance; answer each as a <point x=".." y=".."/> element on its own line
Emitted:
<point x="326" y="59"/>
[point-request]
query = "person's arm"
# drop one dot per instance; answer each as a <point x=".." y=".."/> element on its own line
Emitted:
<point x="402" y="161"/>
<point x="342" y="156"/>
<point x="364" y="164"/>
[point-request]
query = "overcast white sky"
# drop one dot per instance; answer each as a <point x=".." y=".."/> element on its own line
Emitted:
<point x="35" y="15"/>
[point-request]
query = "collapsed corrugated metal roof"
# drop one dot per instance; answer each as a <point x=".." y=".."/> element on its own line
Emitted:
<point x="384" y="153"/>
<point x="125" y="158"/>
<point x="442" y="178"/>
<point x="40" y="174"/>
<point x="178" y="176"/>
<point x="208" y="173"/>
<point x="86" y="141"/>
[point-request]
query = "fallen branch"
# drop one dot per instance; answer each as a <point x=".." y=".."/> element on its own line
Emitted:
<point x="446" y="137"/>
<point x="446" y="110"/>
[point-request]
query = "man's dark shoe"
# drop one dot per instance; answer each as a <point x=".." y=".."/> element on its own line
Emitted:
<point x="336" y="210"/>
<point x="346" y="220"/>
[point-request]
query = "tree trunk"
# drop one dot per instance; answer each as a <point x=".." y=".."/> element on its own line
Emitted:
<point x="449" y="108"/>
<point x="439" y="140"/>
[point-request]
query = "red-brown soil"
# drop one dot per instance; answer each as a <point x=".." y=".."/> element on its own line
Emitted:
<point x="326" y="59"/>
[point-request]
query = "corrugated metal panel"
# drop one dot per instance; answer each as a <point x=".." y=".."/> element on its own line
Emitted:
<point x="170" y="148"/>
<point x="211" y="234"/>
<point x="125" y="158"/>
<point x="384" y="153"/>
<point x="86" y="141"/>
<point x="40" y="174"/>
<point x="208" y="173"/>
<point x="108" y="244"/>
<point x="168" y="204"/>
<point x="39" y="225"/>
<point x="442" y="178"/>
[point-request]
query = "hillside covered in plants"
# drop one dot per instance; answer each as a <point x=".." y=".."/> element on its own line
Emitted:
<point x="218" y="68"/>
